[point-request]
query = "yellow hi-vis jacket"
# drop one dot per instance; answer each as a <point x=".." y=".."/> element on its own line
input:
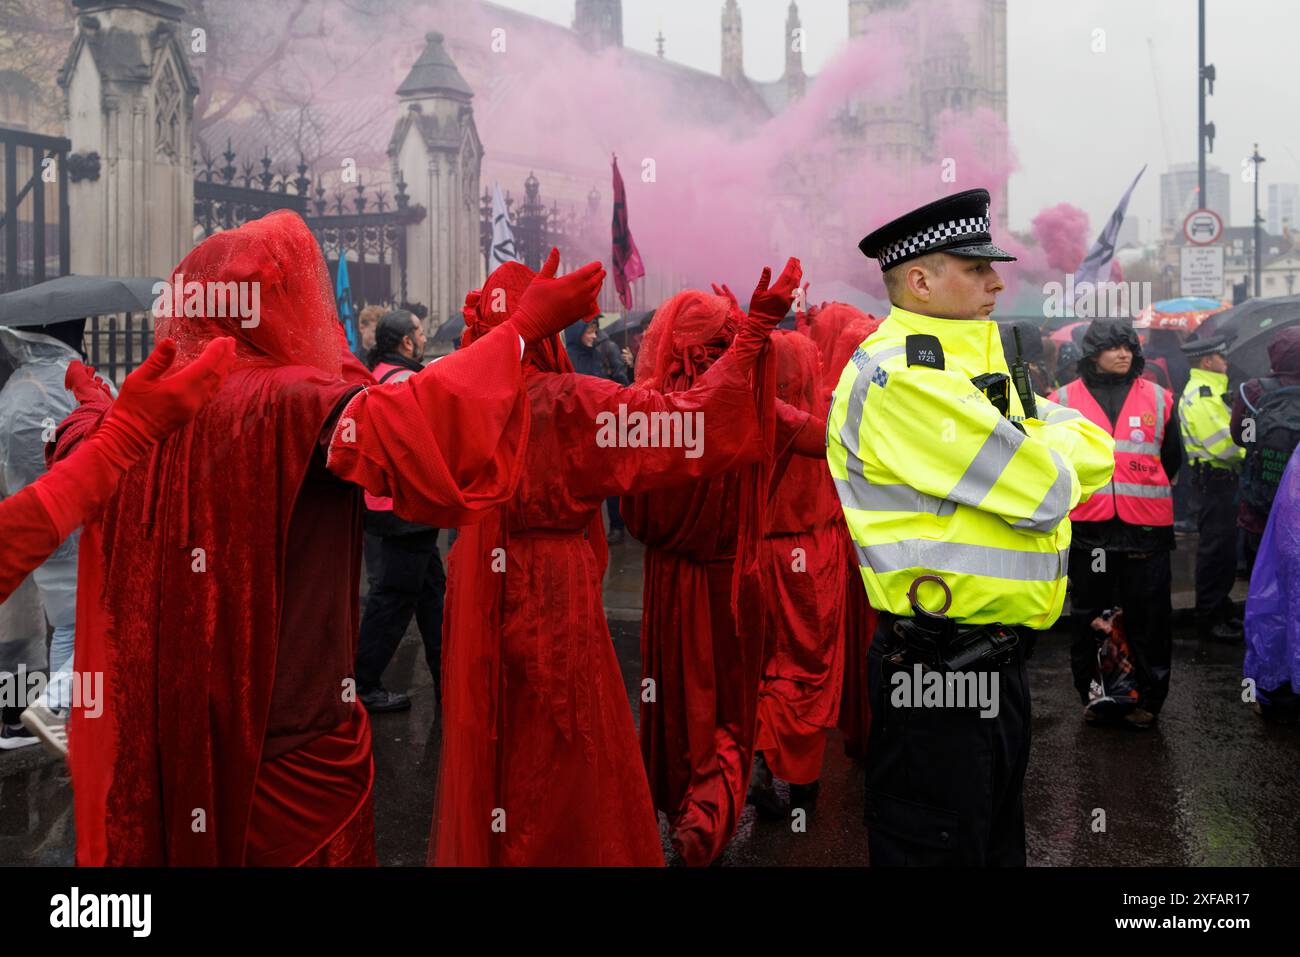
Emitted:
<point x="1203" y="418"/>
<point x="934" y="480"/>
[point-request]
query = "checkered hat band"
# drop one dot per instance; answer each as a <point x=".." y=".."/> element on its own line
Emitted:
<point x="932" y="236"/>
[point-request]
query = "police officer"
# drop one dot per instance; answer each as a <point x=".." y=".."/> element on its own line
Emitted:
<point x="1204" y="416"/>
<point x="956" y="502"/>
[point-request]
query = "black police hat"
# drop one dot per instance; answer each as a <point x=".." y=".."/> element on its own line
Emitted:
<point x="1195" y="348"/>
<point x="957" y="224"/>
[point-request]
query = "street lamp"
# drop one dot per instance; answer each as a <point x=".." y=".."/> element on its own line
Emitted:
<point x="1257" y="159"/>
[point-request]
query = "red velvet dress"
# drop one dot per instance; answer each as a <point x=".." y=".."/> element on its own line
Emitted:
<point x="223" y="623"/>
<point x="803" y="593"/>
<point x="540" y="764"/>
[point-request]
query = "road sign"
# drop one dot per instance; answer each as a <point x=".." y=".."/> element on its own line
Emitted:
<point x="1203" y="227"/>
<point x="1202" y="271"/>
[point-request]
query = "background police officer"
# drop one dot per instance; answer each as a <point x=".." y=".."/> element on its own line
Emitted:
<point x="940" y="474"/>
<point x="1204" y="415"/>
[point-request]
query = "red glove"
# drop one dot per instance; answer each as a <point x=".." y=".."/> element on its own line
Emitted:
<point x="470" y="310"/>
<point x="150" y="407"/>
<point x="84" y="385"/>
<point x="725" y="290"/>
<point x="550" y="305"/>
<point x="767" y="307"/>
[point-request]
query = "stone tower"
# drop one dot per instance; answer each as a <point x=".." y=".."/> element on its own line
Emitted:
<point x="733" y="47"/>
<point x="796" y="81"/>
<point x="599" y="23"/>
<point x="435" y="148"/>
<point x="129" y="96"/>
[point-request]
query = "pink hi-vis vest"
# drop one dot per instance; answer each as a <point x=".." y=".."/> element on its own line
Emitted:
<point x="1139" y="490"/>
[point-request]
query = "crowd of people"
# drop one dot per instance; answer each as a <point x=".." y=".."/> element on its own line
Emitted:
<point x="230" y="494"/>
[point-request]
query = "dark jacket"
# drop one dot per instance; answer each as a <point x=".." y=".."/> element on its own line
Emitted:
<point x="601" y="359"/>
<point x="1110" y="391"/>
<point x="1284" y="362"/>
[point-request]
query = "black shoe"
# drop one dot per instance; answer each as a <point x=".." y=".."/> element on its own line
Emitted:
<point x="1140" y="718"/>
<point x="14" y="736"/>
<point x="1227" y="632"/>
<point x="379" y="700"/>
<point x="768" y="803"/>
<point x="805" y="795"/>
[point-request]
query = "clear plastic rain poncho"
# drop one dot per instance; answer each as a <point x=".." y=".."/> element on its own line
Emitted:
<point x="1273" y="605"/>
<point x="33" y="402"/>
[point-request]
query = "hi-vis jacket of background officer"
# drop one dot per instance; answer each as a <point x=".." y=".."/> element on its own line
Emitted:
<point x="1204" y="418"/>
<point x="935" y="480"/>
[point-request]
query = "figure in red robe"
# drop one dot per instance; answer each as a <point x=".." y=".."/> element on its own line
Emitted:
<point x="702" y="628"/>
<point x="540" y="764"/>
<point x="218" y="590"/>
<point x="837" y="330"/>
<point x="803" y="595"/>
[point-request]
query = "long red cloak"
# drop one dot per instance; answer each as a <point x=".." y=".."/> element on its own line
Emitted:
<point x="702" y="628"/>
<point x="837" y="330"/>
<point x="192" y="567"/>
<point x="540" y="764"/>
<point x="804" y="591"/>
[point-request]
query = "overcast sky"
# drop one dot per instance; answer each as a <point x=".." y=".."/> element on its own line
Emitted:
<point x="1082" y="123"/>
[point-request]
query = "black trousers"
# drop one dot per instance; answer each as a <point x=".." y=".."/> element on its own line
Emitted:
<point x="944" y="784"/>
<point x="1216" y="551"/>
<point x="1140" y="583"/>
<point x="409" y="581"/>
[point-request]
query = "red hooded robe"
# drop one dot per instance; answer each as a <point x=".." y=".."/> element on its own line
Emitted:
<point x="219" y="586"/>
<point x="539" y="764"/>
<point x="837" y="330"/>
<point x="804" y="590"/>
<point x="702" y="629"/>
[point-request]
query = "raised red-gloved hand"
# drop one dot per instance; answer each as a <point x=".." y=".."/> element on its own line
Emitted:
<point x="725" y="290"/>
<point x="84" y="384"/>
<point x="549" y="305"/>
<point x="767" y="307"/>
<point x="150" y="406"/>
<point x="469" y="311"/>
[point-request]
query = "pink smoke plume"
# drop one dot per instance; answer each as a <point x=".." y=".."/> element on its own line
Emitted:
<point x="1062" y="232"/>
<point x="714" y="192"/>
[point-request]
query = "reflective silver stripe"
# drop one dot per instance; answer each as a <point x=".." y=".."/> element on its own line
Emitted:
<point x="1055" y="504"/>
<point x="1160" y="418"/>
<point x="1061" y="396"/>
<point x="860" y="494"/>
<point x="1219" y="436"/>
<point x="1137" y="448"/>
<point x="1142" y="491"/>
<point x="988" y="465"/>
<point x="1057" y="416"/>
<point x="940" y="557"/>
<point x="852" y="426"/>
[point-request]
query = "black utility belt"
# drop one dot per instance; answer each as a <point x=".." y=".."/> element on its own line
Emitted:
<point x="939" y="643"/>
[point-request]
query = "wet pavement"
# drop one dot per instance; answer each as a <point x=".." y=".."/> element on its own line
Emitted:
<point x="1211" y="784"/>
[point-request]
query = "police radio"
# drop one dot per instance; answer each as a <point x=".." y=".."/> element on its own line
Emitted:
<point x="1020" y="377"/>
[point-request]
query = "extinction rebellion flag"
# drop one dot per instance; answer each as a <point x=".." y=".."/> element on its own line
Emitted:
<point x="626" y="259"/>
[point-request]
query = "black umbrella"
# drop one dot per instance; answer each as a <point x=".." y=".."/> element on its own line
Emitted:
<point x="632" y="322"/>
<point x="451" y="330"/>
<point x="1248" y="352"/>
<point x="75" y="297"/>
<point x="1240" y="320"/>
